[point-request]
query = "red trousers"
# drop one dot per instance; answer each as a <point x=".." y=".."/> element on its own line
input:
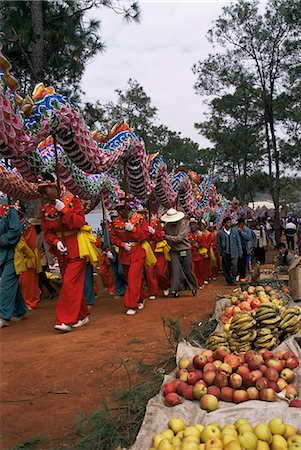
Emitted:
<point x="156" y="276"/>
<point x="205" y="264"/>
<point x="107" y="277"/>
<point x="71" y="305"/>
<point x="197" y="269"/>
<point x="29" y="283"/>
<point x="134" y="291"/>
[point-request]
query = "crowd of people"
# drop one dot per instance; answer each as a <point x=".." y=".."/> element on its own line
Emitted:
<point x="138" y="253"/>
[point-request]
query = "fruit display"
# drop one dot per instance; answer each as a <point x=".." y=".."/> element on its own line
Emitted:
<point x="241" y="435"/>
<point x="250" y="300"/>
<point x="220" y="375"/>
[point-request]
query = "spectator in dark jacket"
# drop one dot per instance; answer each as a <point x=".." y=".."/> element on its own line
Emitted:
<point x="247" y="247"/>
<point x="230" y="249"/>
<point x="290" y="230"/>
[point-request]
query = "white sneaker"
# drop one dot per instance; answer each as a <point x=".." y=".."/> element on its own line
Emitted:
<point x="29" y="308"/>
<point x="152" y="297"/>
<point x="17" y="318"/>
<point x="206" y="282"/>
<point x="63" y="327"/>
<point x="130" y="312"/>
<point x="81" y="322"/>
<point x="89" y="306"/>
<point x="166" y="292"/>
<point x="4" y="323"/>
<point x="141" y="304"/>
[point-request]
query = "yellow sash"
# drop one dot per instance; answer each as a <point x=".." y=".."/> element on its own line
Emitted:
<point x="24" y="257"/>
<point x="163" y="246"/>
<point x="213" y="262"/>
<point x="203" y="251"/>
<point x="150" y="259"/>
<point x="86" y="243"/>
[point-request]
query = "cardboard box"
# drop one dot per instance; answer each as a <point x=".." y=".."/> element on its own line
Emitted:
<point x="294" y="272"/>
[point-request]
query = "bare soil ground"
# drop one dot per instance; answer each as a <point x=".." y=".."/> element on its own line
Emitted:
<point x="49" y="379"/>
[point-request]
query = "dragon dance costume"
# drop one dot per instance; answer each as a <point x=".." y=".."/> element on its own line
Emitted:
<point x="71" y="306"/>
<point x="11" y="299"/>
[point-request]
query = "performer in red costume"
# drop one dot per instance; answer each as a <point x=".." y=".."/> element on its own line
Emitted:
<point x="156" y="275"/>
<point x="194" y="237"/>
<point x="205" y="242"/>
<point x="61" y="223"/>
<point x="129" y="235"/>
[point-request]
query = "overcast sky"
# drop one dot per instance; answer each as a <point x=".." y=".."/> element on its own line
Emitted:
<point x="159" y="53"/>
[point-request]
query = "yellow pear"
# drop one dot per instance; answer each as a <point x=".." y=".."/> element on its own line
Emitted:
<point x="180" y="434"/>
<point x="165" y="445"/>
<point x="192" y="431"/>
<point x="294" y="438"/>
<point x="176" y="425"/>
<point x="176" y="442"/>
<point x="248" y="440"/>
<point x="157" y="438"/>
<point x="278" y="442"/>
<point x="199" y="426"/>
<point x="168" y="434"/>
<point x="230" y="432"/>
<point x="277" y="426"/>
<point x="214" y="444"/>
<point x="229" y="425"/>
<point x="245" y="427"/>
<point x="233" y="445"/>
<point x="192" y="438"/>
<point x="290" y="431"/>
<point x="215" y="424"/>
<point x="210" y="432"/>
<point x="240" y="422"/>
<point x="202" y="446"/>
<point x="263" y="433"/>
<point x="262" y="445"/>
<point x="190" y="446"/>
<point x="228" y="438"/>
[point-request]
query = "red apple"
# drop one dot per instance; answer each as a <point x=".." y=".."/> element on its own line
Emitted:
<point x="209" y="366"/>
<point x="248" y="380"/>
<point x="217" y="363"/>
<point x="249" y="354"/>
<point x="199" y="361"/>
<point x="262" y="383"/>
<point x="273" y="385"/>
<point x="193" y="377"/>
<point x="287" y="355"/>
<point x="232" y="360"/>
<point x="291" y="392"/>
<point x="291" y="363"/>
<point x="255" y="303"/>
<point x="276" y="364"/>
<point x="271" y="374"/>
<point x="253" y="393"/>
<point x="240" y="396"/>
<point x="168" y="389"/>
<point x="227" y="394"/>
<point x="281" y="383"/>
<point x="188" y="393"/>
<point x="235" y="381"/>
<point x="181" y="388"/>
<point x="220" y="354"/>
<point x="172" y="399"/>
<point x="288" y="375"/>
<point x="225" y="368"/>
<point x="190" y="367"/>
<point x="266" y="354"/>
<point x="257" y="374"/>
<point x="243" y="370"/>
<point x="208" y="354"/>
<point x="254" y="362"/>
<point x="268" y="395"/>
<point x="209" y="376"/>
<point x="214" y="390"/>
<point x="220" y="380"/>
<point x="263" y="368"/>
<point x="201" y="382"/>
<point x="184" y="376"/>
<point x="175" y="382"/>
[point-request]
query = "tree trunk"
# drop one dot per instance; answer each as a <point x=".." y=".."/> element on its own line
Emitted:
<point x="37" y="51"/>
<point x="276" y="197"/>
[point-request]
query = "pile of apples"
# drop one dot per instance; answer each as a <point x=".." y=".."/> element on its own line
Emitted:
<point x="276" y="435"/>
<point x="250" y="300"/>
<point x="220" y="375"/>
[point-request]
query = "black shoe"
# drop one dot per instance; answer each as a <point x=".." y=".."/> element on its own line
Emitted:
<point x="175" y="294"/>
<point x="194" y="292"/>
<point x="51" y="295"/>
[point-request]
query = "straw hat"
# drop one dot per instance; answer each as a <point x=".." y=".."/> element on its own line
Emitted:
<point x="172" y="215"/>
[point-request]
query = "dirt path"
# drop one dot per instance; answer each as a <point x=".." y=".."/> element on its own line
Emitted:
<point x="48" y="379"/>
